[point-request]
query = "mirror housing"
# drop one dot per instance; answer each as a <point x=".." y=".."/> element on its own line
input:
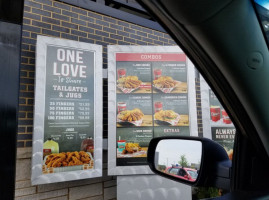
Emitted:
<point x="215" y="166"/>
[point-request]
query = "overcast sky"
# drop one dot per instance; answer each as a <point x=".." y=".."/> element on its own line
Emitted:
<point x="170" y="151"/>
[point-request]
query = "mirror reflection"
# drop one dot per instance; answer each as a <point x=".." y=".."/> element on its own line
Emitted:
<point x="179" y="158"/>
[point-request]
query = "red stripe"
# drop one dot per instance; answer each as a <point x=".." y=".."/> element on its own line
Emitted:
<point x="151" y="57"/>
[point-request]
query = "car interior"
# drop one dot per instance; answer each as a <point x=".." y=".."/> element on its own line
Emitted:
<point x="226" y="42"/>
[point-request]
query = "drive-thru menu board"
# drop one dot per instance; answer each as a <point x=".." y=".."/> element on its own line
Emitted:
<point x="66" y="136"/>
<point x="217" y="125"/>
<point x="151" y="99"/>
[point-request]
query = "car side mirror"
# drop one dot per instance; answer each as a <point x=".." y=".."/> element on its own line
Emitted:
<point x="205" y="161"/>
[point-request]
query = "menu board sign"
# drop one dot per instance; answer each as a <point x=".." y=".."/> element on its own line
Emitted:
<point x="151" y="100"/>
<point x="67" y="140"/>
<point x="216" y="121"/>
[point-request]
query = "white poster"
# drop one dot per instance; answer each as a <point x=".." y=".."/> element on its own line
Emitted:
<point x="151" y="93"/>
<point x="67" y="143"/>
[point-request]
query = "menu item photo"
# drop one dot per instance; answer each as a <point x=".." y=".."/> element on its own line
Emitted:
<point x="50" y="146"/>
<point x="134" y="110"/>
<point x="134" y="116"/>
<point x="166" y="117"/>
<point x="132" y="150"/>
<point x="132" y="83"/>
<point x="133" y="77"/>
<point x="66" y="160"/>
<point x="88" y="145"/>
<point x="165" y="84"/>
<point x="129" y="83"/>
<point x="218" y="115"/>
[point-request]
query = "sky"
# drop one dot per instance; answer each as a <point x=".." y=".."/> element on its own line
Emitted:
<point x="170" y="151"/>
<point x="264" y="3"/>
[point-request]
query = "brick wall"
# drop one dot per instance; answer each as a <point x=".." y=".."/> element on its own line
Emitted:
<point x="56" y="19"/>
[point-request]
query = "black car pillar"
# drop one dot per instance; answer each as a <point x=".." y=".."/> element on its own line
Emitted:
<point x="11" y="15"/>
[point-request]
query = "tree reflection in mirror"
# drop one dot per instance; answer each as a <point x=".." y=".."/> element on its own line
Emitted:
<point x="179" y="158"/>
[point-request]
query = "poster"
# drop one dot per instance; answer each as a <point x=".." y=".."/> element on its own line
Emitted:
<point x="151" y="94"/>
<point x="67" y="140"/>
<point x="216" y="121"/>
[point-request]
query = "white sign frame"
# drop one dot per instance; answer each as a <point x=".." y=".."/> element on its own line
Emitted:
<point x="40" y="87"/>
<point x="205" y="108"/>
<point x="112" y="76"/>
<point x="205" y="103"/>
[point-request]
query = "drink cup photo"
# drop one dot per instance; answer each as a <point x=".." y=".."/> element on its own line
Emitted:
<point x="121" y="106"/>
<point x="225" y="117"/>
<point x="121" y="73"/>
<point x="215" y="113"/>
<point x="157" y="73"/>
<point x="158" y="105"/>
<point x="121" y="145"/>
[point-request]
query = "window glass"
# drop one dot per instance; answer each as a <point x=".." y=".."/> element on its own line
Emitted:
<point x="262" y="8"/>
<point x="165" y="89"/>
<point x="173" y="171"/>
<point x="182" y="172"/>
<point x="193" y="174"/>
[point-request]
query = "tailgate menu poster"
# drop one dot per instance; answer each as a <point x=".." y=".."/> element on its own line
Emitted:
<point x="69" y="129"/>
<point x="222" y="128"/>
<point x="151" y="100"/>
